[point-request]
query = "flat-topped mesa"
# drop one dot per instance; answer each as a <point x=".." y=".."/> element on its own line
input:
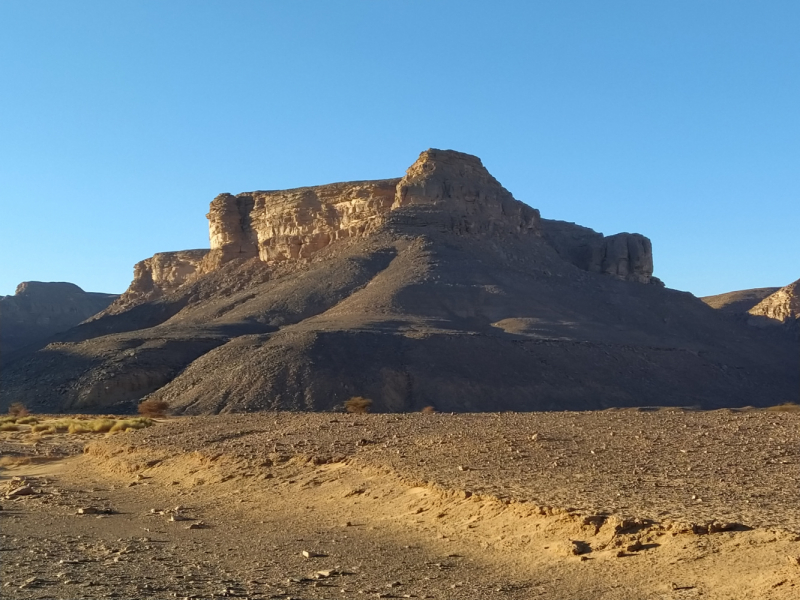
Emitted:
<point x="445" y="188"/>
<point x="459" y="184"/>
<point x="295" y="224"/>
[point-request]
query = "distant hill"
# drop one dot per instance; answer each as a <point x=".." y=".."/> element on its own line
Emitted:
<point x="738" y="302"/>
<point x="39" y="310"/>
<point x="762" y="307"/>
<point x="438" y="288"/>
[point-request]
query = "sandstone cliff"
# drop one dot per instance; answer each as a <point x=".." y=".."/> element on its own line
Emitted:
<point x="782" y="307"/>
<point x="294" y="224"/>
<point x="459" y="184"/>
<point x="38" y="310"/>
<point x="157" y="276"/>
<point x="435" y="289"/>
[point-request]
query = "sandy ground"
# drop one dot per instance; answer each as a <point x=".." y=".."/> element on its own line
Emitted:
<point x="605" y="505"/>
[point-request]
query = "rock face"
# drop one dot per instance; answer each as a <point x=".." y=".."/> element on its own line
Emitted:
<point x="157" y="276"/>
<point x="435" y="289"/>
<point x="626" y="256"/>
<point x="38" y="310"/>
<point x="292" y="225"/>
<point x="460" y="185"/>
<point x="783" y="306"/>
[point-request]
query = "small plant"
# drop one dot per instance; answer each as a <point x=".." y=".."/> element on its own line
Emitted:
<point x="428" y="410"/>
<point x="27" y="421"/>
<point x="155" y="409"/>
<point x="126" y="424"/>
<point x="43" y="428"/>
<point x="81" y="426"/>
<point x="17" y="409"/>
<point x="9" y="427"/>
<point x="358" y="405"/>
<point x="785" y="407"/>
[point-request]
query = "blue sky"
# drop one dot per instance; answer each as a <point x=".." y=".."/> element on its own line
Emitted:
<point x="120" y="121"/>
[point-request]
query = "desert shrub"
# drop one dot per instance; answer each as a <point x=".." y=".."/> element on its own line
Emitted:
<point x="358" y="405"/>
<point x="785" y="407"/>
<point x="81" y="426"/>
<point x="78" y="427"/>
<point x="27" y="421"/>
<point x="101" y="425"/>
<point x="153" y="408"/>
<point x="8" y="420"/>
<point x="9" y="427"/>
<point x="126" y="424"/>
<point x="43" y="428"/>
<point x="18" y="409"/>
<point x="428" y="410"/>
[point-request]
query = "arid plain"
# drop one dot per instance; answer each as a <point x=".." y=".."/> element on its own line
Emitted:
<point x="615" y="504"/>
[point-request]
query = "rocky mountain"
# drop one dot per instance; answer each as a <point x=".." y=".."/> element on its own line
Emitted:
<point x="37" y="310"/>
<point x="439" y="288"/>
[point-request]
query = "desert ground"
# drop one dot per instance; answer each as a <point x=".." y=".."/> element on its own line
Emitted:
<point x="618" y="504"/>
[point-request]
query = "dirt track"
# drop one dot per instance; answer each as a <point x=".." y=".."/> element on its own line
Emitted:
<point x="611" y="505"/>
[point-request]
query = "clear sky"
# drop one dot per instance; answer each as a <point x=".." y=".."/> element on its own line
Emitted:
<point x="121" y="120"/>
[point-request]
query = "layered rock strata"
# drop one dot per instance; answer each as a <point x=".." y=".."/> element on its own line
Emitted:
<point x="159" y="275"/>
<point x="459" y="184"/>
<point x="294" y="224"/>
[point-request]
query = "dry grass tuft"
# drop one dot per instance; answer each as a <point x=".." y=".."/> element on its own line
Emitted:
<point x="153" y="408"/>
<point x="126" y="424"/>
<point x="9" y="427"/>
<point x="785" y="407"/>
<point x="83" y="426"/>
<point x="358" y="405"/>
<point x="17" y="409"/>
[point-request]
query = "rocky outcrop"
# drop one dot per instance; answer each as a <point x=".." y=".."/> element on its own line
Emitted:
<point x="294" y="224"/>
<point x="157" y="276"/>
<point x="454" y="190"/>
<point x="626" y="256"/>
<point x="459" y="184"/>
<point x="38" y="310"/>
<point x="781" y="307"/>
